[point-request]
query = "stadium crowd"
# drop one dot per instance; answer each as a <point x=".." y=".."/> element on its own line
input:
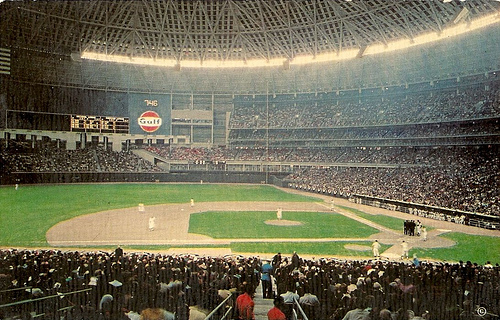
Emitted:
<point x="461" y="178"/>
<point x="432" y="290"/>
<point x="471" y="184"/>
<point x="391" y="133"/>
<point x="437" y="106"/>
<point x="433" y="156"/>
<point x="121" y="284"/>
<point x="452" y="176"/>
<point x="118" y="285"/>
<point x="21" y="157"/>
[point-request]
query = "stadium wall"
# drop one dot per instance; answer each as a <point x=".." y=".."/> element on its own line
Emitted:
<point x="94" y="177"/>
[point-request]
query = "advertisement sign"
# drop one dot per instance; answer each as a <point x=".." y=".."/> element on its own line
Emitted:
<point x="150" y="114"/>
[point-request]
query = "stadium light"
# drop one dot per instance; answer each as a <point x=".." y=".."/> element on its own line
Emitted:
<point x="126" y="59"/>
<point x="325" y="57"/>
<point x="184" y="63"/>
<point x="232" y="63"/>
<point x="391" y="46"/>
<point x="434" y="36"/>
<point x="402" y="44"/>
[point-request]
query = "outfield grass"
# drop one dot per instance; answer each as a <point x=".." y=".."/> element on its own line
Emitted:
<point x="251" y="224"/>
<point x="28" y="213"/>
<point x="468" y="247"/>
<point x="380" y="219"/>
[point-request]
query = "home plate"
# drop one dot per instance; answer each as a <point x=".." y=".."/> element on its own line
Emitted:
<point x="444" y="230"/>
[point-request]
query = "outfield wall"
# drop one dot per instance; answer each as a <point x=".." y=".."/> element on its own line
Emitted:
<point x="97" y="177"/>
<point x="470" y="218"/>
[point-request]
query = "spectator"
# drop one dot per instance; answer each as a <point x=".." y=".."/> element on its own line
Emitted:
<point x="245" y="304"/>
<point x="276" y="313"/>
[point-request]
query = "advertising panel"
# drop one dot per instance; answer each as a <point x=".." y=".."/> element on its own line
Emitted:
<point x="149" y="113"/>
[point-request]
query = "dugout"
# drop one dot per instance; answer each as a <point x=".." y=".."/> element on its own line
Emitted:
<point x="438" y="213"/>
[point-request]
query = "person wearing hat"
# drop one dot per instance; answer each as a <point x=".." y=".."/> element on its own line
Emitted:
<point x="275" y="312"/>
<point x="376" y="248"/>
<point x="267" y="288"/>
<point x="118" y="253"/>
<point x="424" y="233"/>
<point x="276" y="260"/>
<point x="152" y="223"/>
<point x="404" y="248"/>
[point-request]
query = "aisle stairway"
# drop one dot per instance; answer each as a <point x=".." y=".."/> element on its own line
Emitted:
<point x="262" y="306"/>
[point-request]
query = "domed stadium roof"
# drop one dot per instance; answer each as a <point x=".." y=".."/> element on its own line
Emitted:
<point x="224" y="30"/>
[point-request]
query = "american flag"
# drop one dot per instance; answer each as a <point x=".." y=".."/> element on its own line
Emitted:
<point x="4" y="60"/>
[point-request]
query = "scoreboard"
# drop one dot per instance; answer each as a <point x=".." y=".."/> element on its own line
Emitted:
<point x="102" y="124"/>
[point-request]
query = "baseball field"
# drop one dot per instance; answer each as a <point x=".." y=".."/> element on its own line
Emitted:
<point x="222" y="219"/>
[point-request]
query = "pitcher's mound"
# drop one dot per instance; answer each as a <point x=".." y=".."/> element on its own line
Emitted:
<point x="285" y="223"/>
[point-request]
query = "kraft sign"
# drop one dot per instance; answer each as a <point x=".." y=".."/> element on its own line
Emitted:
<point x="149" y="121"/>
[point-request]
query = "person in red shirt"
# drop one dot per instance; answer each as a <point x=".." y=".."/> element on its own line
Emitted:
<point x="275" y="312"/>
<point x="245" y="303"/>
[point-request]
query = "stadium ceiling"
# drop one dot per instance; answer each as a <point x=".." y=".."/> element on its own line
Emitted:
<point x="225" y="30"/>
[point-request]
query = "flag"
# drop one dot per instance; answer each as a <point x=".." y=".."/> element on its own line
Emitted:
<point x="4" y="61"/>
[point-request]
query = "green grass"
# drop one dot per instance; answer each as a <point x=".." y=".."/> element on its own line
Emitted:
<point x="318" y="248"/>
<point x="251" y="224"/>
<point x="28" y="213"/>
<point x="468" y="247"/>
<point x="380" y="219"/>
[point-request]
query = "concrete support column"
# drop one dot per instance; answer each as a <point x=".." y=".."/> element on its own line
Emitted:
<point x="71" y="145"/>
<point x="71" y="142"/>
<point x="6" y="136"/>
<point x="116" y="145"/>
<point x="33" y="141"/>
<point x="83" y="140"/>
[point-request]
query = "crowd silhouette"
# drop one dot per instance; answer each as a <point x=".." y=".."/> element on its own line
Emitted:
<point x="121" y="285"/>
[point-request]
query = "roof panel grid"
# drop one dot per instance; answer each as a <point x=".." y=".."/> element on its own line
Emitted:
<point x="223" y="29"/>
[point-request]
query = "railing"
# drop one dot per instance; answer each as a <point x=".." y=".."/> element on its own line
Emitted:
<point x="15" y="289"/>
<point x="227" y="314"/>
<point x="299" y="308"/>
<point x="35" y="300"/>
